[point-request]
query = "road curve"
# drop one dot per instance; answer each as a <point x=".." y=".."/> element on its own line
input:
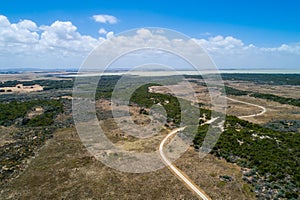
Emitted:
<point x="189" y="183"/>
<point x="251" y="104"/>
<point x="184" y="178"/>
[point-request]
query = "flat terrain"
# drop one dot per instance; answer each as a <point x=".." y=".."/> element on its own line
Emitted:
<point x="63" y="169"/>
<point x="275" y="110"/>
<point x="292" y="91"/>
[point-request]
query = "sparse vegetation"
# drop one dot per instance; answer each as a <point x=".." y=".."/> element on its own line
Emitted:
<point x="271" y="97"/>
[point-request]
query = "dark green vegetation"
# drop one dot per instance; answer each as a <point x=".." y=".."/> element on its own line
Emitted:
<point x="146" y="99"/>
<point x="10" y="112"/>
<point x="174" y="106"/>
<point x="283" y="100"/>
<point x="31" y="133"/>
<point x="273" y="79"/>
<point x="26" y="141"/>
<point x="106" y="86"/>
<point x="272" y="156"/>
<point x="33" y="118"/>
<point x="47" y="84"/>
<point x="233" y="91"/>
<point x="269" y="79"/>
<point x="52" y="88"/>
<point x="284" y="125"/>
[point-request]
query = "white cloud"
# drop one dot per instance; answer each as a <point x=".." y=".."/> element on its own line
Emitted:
<point x="19" y="33"/>
<point x="60" y="44"/>
<point x="219" y="42"/>
<point x="230" y="52"/>
<point x="109" y="35"/>
<point x="292" y="48"/>
<point x="56" y="45"/>
<point x="102" y="31"/>
<point x="64" y="35"/>
<point x="105" y="19"/>
<point x="28" y="24"/>
<point x="4" y="21"/>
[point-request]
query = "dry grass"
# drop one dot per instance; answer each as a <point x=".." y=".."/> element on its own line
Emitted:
<point x="5" y="134"/>
<point x="287" y="91"/>
<point x="275" y="111"/>
<point x="63" y="169"/>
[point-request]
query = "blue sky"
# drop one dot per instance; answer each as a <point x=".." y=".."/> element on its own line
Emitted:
<point x="265" y="24"/>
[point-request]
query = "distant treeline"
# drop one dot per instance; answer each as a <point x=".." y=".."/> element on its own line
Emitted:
<point x="271" y="97"/>
<point x="234" y="91"/>
<point x="47" y="83"/>
<point x="269" y="79"/>
<point x="273" y="79"/>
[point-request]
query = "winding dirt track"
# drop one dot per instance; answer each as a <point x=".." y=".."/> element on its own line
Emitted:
<point x="181" y="175"/>
<point x="251" y="104"/>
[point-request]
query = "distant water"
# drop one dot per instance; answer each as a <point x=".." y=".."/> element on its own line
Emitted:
<point x="170" y="73"/>
<point x="262" y="71"/>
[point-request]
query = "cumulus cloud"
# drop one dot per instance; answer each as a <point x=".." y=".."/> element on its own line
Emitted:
<point x="19" y="33"/>
<point x="64" y="35"/>
<point x="60" y="44"/>
<point x="56" y="45"/>
<point x="231" y="52"/>
<point x="4" y="21"/>
<point x="105" y="19"/>
<point x="28" y="24"/>
<point x="219" y="42"/>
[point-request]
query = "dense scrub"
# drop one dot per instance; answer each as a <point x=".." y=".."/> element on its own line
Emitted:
<point x="14" y="110"/>
<point x="269" y="79"/>
<point x="13" y="155"/>
<point x="272" y="156"/>
<point x="47" y="84"/>
<point x="284" y="125"/>
<point x="283" y="100"/>
<point x="233" y="91"/>
<point x="174" y="107"/>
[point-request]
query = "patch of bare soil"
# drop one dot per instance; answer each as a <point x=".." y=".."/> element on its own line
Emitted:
<point x="64" y="169"/>
<point x="35" y="112"/>
<point x="21" y="88"/>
